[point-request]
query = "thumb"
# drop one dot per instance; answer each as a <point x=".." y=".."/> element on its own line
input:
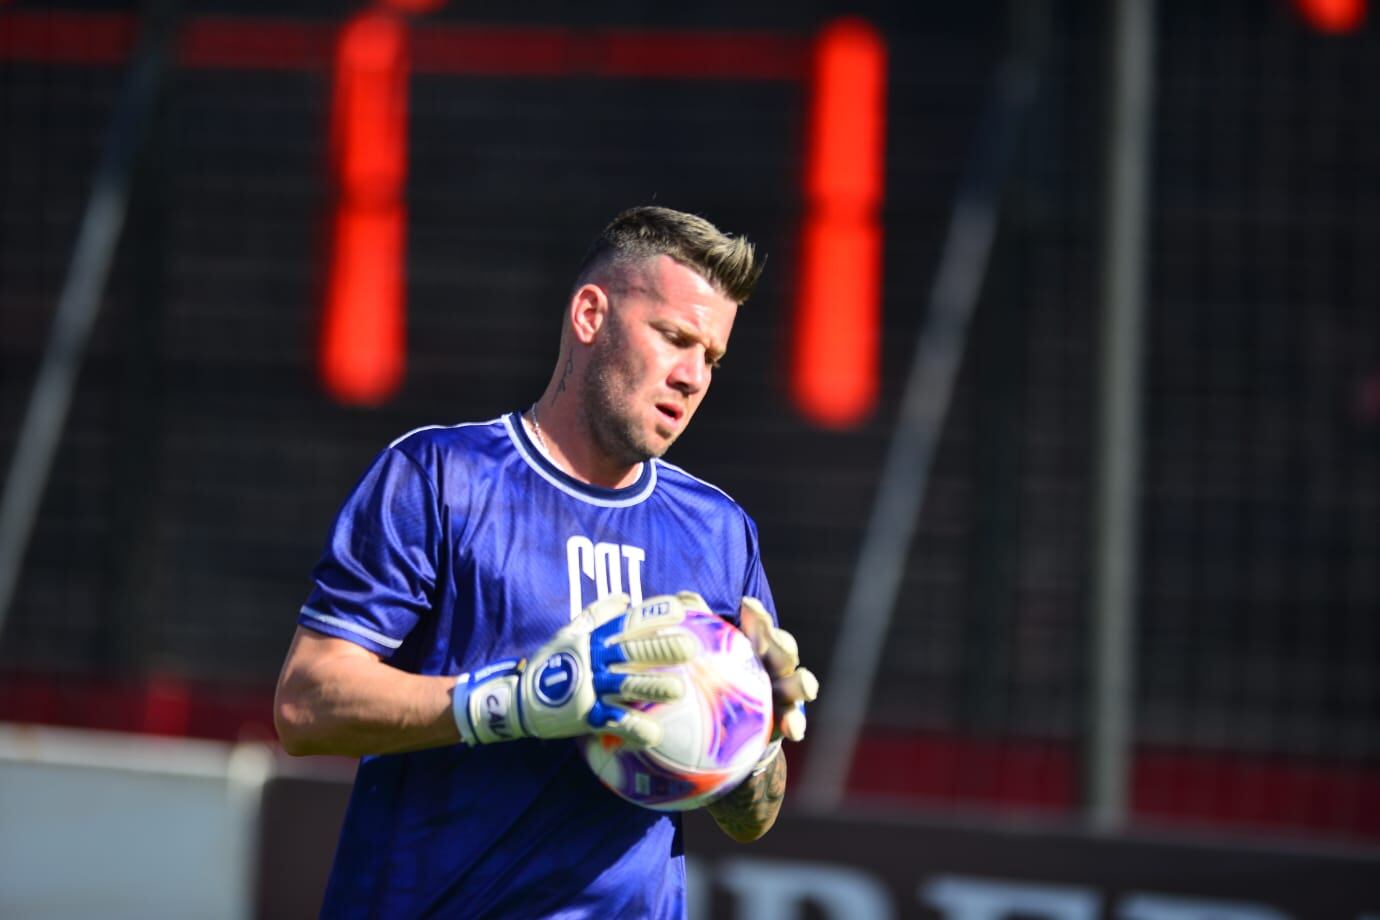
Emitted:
<point x="776" y="647"/>
<point x="603" y="610"/>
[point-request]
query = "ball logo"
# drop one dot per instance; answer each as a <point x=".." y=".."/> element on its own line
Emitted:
<point x="557" y="678"/>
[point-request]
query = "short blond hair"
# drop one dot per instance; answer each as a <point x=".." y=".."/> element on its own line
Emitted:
<point x="727" y="262"/>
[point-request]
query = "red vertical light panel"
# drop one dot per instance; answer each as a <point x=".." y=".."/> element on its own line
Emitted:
<point x="363" y="326"/>
<point x="1333" y="16"/>
<point x="835" y="364"/>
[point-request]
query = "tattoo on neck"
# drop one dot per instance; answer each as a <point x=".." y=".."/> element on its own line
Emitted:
<point x="565" y="375"/>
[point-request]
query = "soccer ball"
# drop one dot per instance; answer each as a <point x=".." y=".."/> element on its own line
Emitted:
<point x="711" y="737"/>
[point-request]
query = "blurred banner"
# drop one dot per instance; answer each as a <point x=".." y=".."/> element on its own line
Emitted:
<point x="94" y="823"/>
<point x="878" y="868"/>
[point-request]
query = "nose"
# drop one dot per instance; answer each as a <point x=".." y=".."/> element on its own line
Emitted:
<point x="690" y="374"/>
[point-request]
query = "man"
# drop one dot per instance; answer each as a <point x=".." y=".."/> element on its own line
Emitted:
<point x="474" y="562"/>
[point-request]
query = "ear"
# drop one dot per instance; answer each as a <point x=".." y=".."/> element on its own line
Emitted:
<point x="589" y="307"/>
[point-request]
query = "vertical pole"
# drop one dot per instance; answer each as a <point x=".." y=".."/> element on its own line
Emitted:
<point x="880" y="569"/>
<point x="1117" y="473"/>
<point x="80" y="300"/>
<point x="137" y="405"/>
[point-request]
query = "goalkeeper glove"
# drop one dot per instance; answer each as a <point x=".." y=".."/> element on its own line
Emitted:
<point x="575" y="683"/>
<point x="792" y="686"/>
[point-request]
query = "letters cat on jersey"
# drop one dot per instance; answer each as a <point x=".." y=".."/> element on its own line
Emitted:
<point x="608" y="568"/>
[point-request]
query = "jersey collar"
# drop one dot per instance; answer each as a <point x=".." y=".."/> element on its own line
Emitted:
<point x="632" y="494"/>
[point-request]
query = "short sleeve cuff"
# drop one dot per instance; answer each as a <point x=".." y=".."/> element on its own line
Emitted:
<point x="342" y="628"/>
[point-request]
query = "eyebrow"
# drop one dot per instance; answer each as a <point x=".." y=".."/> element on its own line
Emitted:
<point x="714" y="355"/>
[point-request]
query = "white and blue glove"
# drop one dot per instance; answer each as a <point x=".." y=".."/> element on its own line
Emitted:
<point x="577" y="683"/>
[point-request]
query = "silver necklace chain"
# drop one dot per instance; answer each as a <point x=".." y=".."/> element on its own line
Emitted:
<point x="536" y="427"/>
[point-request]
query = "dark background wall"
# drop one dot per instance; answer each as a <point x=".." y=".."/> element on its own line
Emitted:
<point x="202" y="462"/>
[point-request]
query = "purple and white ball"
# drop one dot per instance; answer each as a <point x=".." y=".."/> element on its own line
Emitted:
<point x="711" y="737"/>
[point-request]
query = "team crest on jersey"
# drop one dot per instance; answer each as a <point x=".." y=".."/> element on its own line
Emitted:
<point x="556" y="680"/>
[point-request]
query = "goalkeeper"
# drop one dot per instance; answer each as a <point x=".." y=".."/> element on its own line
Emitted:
<point x="480" y="602"/>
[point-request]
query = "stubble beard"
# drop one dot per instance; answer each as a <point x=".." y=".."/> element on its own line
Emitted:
<point x="613" y="425"/>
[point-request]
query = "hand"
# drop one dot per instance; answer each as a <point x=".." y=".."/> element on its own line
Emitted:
<point x="792" y="685"/>
<point x="577" y="683"/>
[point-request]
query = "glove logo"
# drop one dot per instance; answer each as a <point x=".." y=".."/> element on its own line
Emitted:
<point x="555" y="683"/>
<point x="497" y="714"/>
<point x="659" y="609"/>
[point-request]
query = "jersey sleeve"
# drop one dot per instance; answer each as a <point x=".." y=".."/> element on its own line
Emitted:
<point x="755" y="585"/>
<point x="378" y="573"/>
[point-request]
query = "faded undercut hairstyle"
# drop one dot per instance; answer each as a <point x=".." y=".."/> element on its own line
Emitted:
<point x="642" y="233"/>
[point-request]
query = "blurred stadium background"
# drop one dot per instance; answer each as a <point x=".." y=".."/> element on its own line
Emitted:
<point x="220" y="417"/>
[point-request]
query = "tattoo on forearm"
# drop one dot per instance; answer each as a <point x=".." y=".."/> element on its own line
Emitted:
<point x="749" y="811"/>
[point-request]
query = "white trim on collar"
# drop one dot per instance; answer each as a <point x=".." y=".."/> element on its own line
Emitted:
<point x="613" y="498"/>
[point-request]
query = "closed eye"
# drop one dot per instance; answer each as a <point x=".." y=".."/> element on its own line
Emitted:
<point x="681" y="339"/>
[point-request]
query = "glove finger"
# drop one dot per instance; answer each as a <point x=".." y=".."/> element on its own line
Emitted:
<point x="800" y="686"/>
<point x="605" y="609"/>
<point x="792" y="723"/>
<point x="659" y="612"/>
<point x="755" y="623"/>
<point x="611" y="646"/>
<point x="653" y="688"/>
<point x="782" y="657"/>
<point x="635" y="730"/>
<point x="642" y="619"/>
<point x="666" y="646"/>
<point x="777" y="648"/>
<point x="617" y="622"/>
<point x="690" y="600"/>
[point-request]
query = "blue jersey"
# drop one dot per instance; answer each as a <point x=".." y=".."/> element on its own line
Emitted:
<point x="463" y="545"/>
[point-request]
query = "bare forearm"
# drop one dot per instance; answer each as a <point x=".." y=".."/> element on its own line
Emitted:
<point x="330" y="702"/>
<point x="749" y="811"/>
